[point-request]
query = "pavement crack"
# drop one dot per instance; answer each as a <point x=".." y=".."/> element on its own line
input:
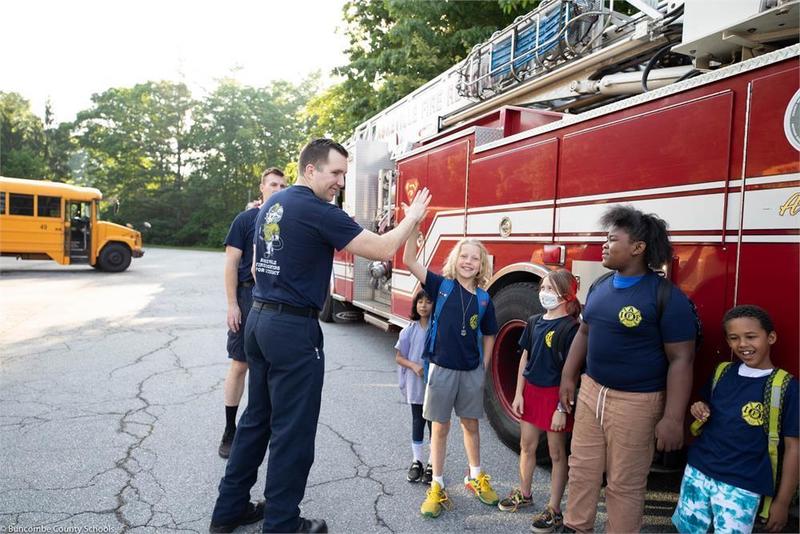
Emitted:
<point x="367" y="475"/>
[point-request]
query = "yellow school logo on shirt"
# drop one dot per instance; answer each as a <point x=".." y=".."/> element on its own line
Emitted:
<point x="630" y="316"/>
<point x="753" y="413"/>
<point x="548" y="338"/>
<point x="473" y="322"/>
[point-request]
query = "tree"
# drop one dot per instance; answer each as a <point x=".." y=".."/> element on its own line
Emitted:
<point x="21" y="139"/>
<point x="136" y="141"/>
<point x="238" y="131"/>
<point x="396" y="46"/>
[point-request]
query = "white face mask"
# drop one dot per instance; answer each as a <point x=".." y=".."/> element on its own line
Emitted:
<point x="549" y="301"/>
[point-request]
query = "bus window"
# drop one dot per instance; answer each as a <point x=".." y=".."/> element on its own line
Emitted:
<point x="49" y="206"/>
<point x="20" y="204"/>
<point x="2" y="203"/>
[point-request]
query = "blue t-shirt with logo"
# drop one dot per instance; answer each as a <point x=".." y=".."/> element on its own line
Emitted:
<point x="733" y="446"/>
<point x="296" y="234"/>
<point x="240" y="235"/>
<point x="452" y="350"/>
<point x="626" y="340"/>
<point x="542" y="369"/>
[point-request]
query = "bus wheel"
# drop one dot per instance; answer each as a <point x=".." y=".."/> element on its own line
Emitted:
<point x="114" y="258"/>
<point x="513" y="304"/>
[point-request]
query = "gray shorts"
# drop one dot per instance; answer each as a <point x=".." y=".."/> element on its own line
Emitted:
<point x="448" y="389"/>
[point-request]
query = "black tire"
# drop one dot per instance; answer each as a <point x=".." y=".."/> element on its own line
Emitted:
<point x="114" y="258"/>
<point x="344" y="312"/>
<point x="326" y="314"/>
<point x="513" y="305"/>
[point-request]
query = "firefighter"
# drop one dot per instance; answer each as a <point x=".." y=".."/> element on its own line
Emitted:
<point x="283" y="339"/>
<point x="638" y="377"/>
<point x="239" y="292"/>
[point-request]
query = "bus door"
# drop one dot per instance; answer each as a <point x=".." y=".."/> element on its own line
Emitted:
<point x="78" y="235"/>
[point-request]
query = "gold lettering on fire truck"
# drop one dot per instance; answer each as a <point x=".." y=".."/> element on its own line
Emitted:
<point x="411" y="189"/>
<point x="791" y="206"/>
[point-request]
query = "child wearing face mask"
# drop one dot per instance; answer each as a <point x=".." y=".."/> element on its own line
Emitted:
<point x="545" y="343"/>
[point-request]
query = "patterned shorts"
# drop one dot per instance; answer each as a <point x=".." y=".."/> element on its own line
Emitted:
<point x="703" y="499"/>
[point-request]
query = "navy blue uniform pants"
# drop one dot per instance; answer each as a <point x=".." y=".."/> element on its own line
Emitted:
<point x="286" y="367"/>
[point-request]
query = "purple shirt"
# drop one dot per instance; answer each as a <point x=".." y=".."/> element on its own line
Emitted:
<point x="411" y="344"/>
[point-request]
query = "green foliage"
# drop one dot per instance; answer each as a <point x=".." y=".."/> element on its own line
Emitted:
<point x="21" y="139"/>
<point x="188" y="165"/>
<point x="396" y="46"/>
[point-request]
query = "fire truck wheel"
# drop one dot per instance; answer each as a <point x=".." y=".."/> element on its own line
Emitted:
<point x="513" y="305"/>
<point x="114" y="258"/>
<point x="326" y="314"/>
<point x="344" y="312"/>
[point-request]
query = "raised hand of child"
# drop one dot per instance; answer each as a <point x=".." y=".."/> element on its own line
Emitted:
<point x="700" y="411"/>
<point x="518" y="405"/>
<point x="559" y="421"/>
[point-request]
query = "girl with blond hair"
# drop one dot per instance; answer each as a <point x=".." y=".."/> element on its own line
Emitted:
<point x="459" y="346"/>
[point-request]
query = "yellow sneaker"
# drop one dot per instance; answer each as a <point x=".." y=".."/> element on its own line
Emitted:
<point x="435" y="499"/>
<point x="482" y="489"/>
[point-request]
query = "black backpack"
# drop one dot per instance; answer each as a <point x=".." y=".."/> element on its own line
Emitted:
<point x="662" y="299"/>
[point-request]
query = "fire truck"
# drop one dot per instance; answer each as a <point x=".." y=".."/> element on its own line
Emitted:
<point x="686" y="109"/>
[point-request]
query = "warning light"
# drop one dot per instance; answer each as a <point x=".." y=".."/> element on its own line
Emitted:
<point x="554" y="254"/>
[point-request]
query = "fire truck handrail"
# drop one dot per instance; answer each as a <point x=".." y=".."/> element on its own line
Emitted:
<point x="713" y="76"/>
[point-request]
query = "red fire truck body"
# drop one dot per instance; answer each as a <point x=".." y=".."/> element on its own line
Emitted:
<point x="712" y="155"/>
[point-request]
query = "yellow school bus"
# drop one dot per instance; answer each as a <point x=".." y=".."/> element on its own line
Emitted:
<point x="42" y="220"/>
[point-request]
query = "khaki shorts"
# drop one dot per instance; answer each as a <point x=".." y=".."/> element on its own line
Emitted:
<point x="450" y="388"/>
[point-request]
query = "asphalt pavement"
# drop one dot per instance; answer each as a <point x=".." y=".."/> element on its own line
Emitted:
<point x="111" y="412"/>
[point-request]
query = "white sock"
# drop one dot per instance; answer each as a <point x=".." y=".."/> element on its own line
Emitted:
<point x="474" y="471"/>
<point x="416" y="448"/>
<point x="439" y="480"/>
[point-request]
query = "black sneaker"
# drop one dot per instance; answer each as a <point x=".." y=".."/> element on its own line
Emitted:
<point x="415" y="471"/>
<point x="515" y="501"/>
<point x="548" y="521"/>
<point x="427" y="475"/>
<point x="252" y="514"/>
<point x="226" y="442"/>
<point x="312" y="525"/>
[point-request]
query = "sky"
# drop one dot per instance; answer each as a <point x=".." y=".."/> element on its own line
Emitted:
<point x="68" y="50"/>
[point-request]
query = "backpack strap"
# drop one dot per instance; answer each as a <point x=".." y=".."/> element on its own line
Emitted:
<point x="444" y="291"/>
<point x="663" y="295"/>
<point x="721" y="369"/>
<point x="599" y="281"/>
<point x="483" y="303"/>
<point x="559" y="342"/>
<point x="774" y="394"/>
<point x="696" y="427"/>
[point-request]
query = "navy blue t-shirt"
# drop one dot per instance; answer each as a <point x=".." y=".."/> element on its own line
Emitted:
<point x="452" y="350"/>
<point x="733" y="445"/>
<point x="240" y="236"/>
<point x="295" y="236"/>
<point x="541" y="369"/>
<point x="626" y="340"/>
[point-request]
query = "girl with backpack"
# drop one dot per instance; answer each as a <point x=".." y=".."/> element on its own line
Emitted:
<point x="410" y="346"/>
<point x="749" y="406"/>
<point x="460" y="341"/>
<point x="545" y="343"/>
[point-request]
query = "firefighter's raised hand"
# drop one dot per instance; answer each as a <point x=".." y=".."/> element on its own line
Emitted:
<point x="419" y="206"/>
<point x="700" y="411"/>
